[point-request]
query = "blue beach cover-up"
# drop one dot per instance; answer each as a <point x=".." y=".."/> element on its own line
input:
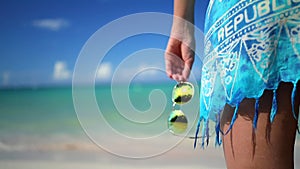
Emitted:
<point x="250" y="46"/>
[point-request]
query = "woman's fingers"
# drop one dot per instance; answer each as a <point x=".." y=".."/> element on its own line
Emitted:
<point x="179" y="59"/>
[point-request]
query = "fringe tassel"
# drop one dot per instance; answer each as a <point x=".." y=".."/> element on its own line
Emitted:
<point x="293" y="105"/>
<point x="255" y="114"/>
<point x="293" y="101"/>
<point x="207" y="133"/>
<point x="233" y="119"/>
<point x="203" y="133"/>
<point x="274" y="106"/>
<point x="218" y="142"/>
<point x="196" y="134"/>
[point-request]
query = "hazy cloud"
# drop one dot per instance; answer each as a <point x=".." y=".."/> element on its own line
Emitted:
<point x="138" y="71"/>
<point x="51" y="24"/>
<point x="61" y="71"/>
<point x="5" y="78"/>
<point x="104" y="71"/>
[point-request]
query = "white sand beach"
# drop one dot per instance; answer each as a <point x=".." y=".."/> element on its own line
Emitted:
<point x="86" y="155"/>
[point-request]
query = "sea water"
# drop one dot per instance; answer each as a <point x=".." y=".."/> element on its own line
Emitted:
<point x="42" y="114"/>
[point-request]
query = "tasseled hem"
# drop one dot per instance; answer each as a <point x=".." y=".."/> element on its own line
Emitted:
<point x="274" y="106"/>
<point x="234" y="117"/>
<point x="205" y="130"/>
<point x="293" y="101"/>
<point x="255" y="118"/>
<point x="205" y="134"/>
<point x="218" y="140"/>
<point x="293" y="104"/>
<point x="196" y="133"/>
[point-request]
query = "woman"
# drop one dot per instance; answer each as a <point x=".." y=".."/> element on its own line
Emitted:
<point x="250" y="76"/>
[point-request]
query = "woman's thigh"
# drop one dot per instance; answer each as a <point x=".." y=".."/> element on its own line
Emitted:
<point x="270" y="145"/>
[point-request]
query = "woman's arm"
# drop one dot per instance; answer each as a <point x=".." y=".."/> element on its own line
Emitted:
<point x="179" y="55"/>
<point x="184" y="9"/>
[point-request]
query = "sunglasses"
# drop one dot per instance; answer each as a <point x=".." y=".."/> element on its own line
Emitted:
<point x="182" y="93"/>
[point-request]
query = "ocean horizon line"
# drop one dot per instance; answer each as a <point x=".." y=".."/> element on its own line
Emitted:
<point x="57" y="86"/>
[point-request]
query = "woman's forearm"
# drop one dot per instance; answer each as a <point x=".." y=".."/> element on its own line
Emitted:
<point x="184" y="9"/>
<point x="183" y="20"/>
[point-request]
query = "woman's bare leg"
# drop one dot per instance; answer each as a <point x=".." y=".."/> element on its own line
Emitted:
<point x="271" y="145"/>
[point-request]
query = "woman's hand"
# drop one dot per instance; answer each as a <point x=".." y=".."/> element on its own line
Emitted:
<point x="179" y="55"/>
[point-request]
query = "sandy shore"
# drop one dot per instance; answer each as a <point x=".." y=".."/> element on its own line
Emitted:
<point x="86" y="155"/>
<point x="65" y="165"/>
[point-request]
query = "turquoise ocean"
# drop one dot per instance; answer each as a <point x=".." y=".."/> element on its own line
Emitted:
<point x="44" y="119"/>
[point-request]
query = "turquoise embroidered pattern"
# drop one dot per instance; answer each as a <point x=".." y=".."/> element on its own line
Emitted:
<point x="250" y="46"/>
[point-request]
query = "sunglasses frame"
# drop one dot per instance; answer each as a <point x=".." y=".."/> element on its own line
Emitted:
<point x="189" y="99"/>
<point x="179" y="104"/>
<point x="181" y="100"/>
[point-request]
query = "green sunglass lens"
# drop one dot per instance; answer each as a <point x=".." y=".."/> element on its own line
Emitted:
<point x="183" y="92"/>
<point x="177" y="122"/>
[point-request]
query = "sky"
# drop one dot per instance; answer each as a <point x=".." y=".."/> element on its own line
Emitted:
<point x="40" y="41"/>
